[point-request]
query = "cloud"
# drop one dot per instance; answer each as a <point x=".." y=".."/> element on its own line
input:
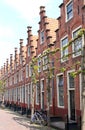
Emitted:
<point x="28" y="9"/>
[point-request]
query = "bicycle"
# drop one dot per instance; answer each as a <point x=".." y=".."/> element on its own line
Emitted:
<point x="39" y="117"/>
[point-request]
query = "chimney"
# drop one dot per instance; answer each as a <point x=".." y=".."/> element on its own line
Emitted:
<point x="42" y="11"/>
<point x="29" y="31"/>
<point x="21" y="42"/>
<point x="15" y="54"/>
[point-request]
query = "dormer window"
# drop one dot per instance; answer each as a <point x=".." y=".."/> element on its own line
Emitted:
<point x="42" y="37"/>
<point x="69" y="10"/>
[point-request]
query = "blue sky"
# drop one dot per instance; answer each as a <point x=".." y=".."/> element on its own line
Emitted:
<point x="15" y="16"/>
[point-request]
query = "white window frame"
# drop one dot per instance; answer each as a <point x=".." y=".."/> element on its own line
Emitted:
<point x="63" y="60"/>
<point x="45" y="65"/>
<point x="67" y="19"/>
<point x="42" y="37"/>
<point x="30" y="70"/>
<point x="39" y="63"/>
<point x="57" y="78"/>
<point x="29" y="51"/>
<point x="37" y="100"/>
<point x="73" y="43"/>
<point x="51" y="96"/>
<point x="27" y="70"/>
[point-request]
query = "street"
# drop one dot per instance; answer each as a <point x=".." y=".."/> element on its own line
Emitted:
<point x="10" y="120"/>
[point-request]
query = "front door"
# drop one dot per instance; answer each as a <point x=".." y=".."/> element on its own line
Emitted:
<point x="72" y="104"/>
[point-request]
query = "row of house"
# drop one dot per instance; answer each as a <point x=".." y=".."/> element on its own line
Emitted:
<point x="65" y="90"/>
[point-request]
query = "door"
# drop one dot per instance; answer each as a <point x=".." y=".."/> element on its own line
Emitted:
<point x="72" y="104"/>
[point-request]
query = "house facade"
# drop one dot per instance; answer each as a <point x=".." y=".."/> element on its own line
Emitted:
<point x="65" y="87"/>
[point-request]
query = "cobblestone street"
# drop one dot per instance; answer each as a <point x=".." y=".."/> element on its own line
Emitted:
<point x="10" y="120"/>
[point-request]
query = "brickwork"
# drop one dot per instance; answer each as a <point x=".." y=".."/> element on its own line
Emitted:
<point x="51" y="33"/>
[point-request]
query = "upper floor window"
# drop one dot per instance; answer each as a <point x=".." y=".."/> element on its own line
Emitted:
<point x="28" y="51"/>
<point x="69" y="10"/>
<point x="27" y="71"/>
<point x="45" y="62"/>
<point x="30" y="70"/>
<point x="41" y="37"/>
<point x="20" y="59"/>
<point x="64" y="52"/>
<point x="77" y="44"/>
<point x="39" y="64"/>
<point x="71" y="81"/>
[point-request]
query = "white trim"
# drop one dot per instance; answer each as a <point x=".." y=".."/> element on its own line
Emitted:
<point x="79" y="27"/>
<point x="39" y="69"/>
<point x="66" y="11"/>
<point x="37" y="103"/>
<point x="58" y="89"/>
<point x="42" y="41"/>
<point x="69" y="89"/>
<point x="66" y="36"/>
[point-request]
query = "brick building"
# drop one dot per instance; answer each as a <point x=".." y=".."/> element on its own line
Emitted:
<point x="65" y="90"/>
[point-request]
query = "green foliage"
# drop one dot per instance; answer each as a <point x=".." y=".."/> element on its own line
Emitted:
<point x="81" y="32"/>
<point x="63" y="69"/>
<point x="2" y="86"/>
<point x="74" y="74"/>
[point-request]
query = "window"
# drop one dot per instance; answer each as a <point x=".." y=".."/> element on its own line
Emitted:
<point x="77" y="44"/>
<point x="42" y="85"/>
<point x="20" y="59"/>
<point x="69" y="10"/>
<point x="29" y="93"/>
<point x="41" y="37"/>
<point x="39" y="64"/>
<point x="45" y="62"/>
<point x="71" y="81"/>
<point x="64" y="52"/>
<point x="27" y="70"/>
<point x="37" y="92"/>
<point x="30" y="70"/>
<point x="60" y="86"/>
<point x="28" y="51"/>
<point x="50" y="95"/>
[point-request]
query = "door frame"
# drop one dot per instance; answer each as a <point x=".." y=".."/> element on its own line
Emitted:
<point x="68" y="93"/>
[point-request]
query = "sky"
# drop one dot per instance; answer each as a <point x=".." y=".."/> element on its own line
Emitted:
<point x="15" y="16"/>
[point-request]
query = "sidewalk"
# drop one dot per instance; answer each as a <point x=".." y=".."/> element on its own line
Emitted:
<point x="10" y="120"/>
<point x="25" y="121"/>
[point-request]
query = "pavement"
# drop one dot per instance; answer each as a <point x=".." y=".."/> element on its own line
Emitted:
<point x="10" y="120"/>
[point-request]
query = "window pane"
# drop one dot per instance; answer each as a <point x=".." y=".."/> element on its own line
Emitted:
<point x="42" y="36"/>
<point x="61" y="91"/>
<point x="65" y="51"/>
<point x="70" y="10"/>
<point x="77" y="43"/>
<point x="71" y="81"/>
